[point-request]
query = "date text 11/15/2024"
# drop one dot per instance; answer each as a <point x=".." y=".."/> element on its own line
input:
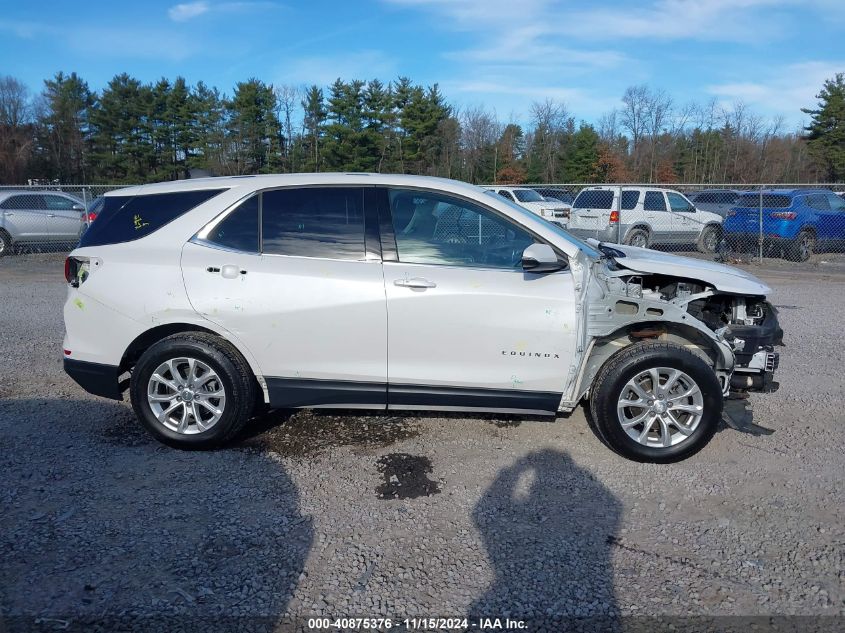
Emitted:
<point x="416" y="624"/>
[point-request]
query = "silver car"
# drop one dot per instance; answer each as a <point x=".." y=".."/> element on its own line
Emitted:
<point x="39" y="216"/>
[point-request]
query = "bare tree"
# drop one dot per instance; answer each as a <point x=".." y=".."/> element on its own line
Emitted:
<point x="287" y="98"/>
<point x="479" y="132"/>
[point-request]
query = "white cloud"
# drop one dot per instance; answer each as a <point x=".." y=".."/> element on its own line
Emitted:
<point x="784" y="90"/>
<point x="187" y="11"/>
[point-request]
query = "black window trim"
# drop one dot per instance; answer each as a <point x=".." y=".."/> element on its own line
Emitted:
<point x="390" y="248"/>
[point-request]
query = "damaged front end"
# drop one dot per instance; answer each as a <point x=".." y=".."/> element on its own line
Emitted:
<point x="715" y="311"/>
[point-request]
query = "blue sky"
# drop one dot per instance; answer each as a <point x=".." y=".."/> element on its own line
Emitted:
<point x="771" y="54"/>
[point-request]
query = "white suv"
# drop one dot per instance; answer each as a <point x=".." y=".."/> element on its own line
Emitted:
<point x="207" y="298"/>
<point x="646" y="216"/>
<point x="551" y="210"/>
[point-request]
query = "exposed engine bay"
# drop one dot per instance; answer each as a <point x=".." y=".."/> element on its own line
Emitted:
<point x="748" y="324"/>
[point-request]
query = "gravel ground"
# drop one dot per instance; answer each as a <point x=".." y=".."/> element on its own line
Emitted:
<point x="343" y="514"/>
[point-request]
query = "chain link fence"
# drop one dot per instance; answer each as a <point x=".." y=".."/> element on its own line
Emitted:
<point x="752" y="222"/>
<point x="796" y="223"/>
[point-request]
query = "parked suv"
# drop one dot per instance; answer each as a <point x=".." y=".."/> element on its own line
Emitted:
<point x="647" y="216"/>
<point x="794" y="222"/>
<point x="39" y="216"/>
<point x="551" y="210"/>
<point x="205" y="297"/>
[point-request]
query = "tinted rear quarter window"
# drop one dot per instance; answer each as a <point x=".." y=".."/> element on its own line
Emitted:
<point x="239" y="229"/>
<point x="326" y="222"/>
<point x="594" y="199"/>
<point x="770" y="200"/>
<point x="128" y="218"/>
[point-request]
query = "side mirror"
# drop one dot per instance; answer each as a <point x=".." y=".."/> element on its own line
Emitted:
<point x="78" y="207"/>
<point x="540" y="258"/>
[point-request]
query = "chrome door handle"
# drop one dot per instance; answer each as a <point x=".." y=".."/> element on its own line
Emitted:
<point x="415" y="282"/>
<point x="51" y="215"/>
<point x="8" y="213"/>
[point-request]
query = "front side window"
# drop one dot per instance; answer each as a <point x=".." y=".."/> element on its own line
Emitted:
<point x="239" y="229"/>
<point x="432" y="228"/>
<point x="654" y="201"/>
<point x="836" y="203"/>
<point x="59" y="203"/>
<point x="324" y="222"/>
<point x="678" y="202"/>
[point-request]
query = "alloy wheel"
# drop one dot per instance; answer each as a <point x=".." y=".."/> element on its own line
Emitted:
<point x="186" y="395"/>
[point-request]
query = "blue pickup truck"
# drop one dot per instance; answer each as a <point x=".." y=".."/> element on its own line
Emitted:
<point x="796" y="222"/>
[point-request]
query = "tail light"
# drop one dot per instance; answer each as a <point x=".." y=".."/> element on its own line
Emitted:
<point x="76" y="270"/>
<point x="91" y="217"/>
<point x="614" y="217"/>
<point x="783" y="215"/>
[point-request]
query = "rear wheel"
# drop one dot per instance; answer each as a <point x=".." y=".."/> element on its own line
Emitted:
<point x="656" y="402"/>
<point x="638" y="237"/>
<point x="708" y="241"/>
<point x="802" y="247"/>
<point x="5" y="244"/>
<point x="192" y="391"/>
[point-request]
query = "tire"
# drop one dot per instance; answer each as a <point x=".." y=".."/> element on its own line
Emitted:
<point x="638" y="237"/>
<point x="5" y="244"/>
<point x="219" y="369"/>
<point x="708" y="241"/>
<point x="802" y="247"/>
<point x="699" y="420"/>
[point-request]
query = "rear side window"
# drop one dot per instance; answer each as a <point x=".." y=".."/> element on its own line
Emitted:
<point x="594" y="199"/>
<point x="128" y="218"/>
<point x="654" y="201"/>
<point x="239" y="229"/>
<point x="629" y="199"/>
<point x="770" y="200"/>
<point x="818" y="201"/>
<point x="326" y="222"/>
<point x="59" y="203"/>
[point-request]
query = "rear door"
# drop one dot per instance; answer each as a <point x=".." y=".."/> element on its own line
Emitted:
<point x="467" y="327"/>
<point x="25" y="217"/>
<point x="307" y="298"/>
<point x="64" y="223"/>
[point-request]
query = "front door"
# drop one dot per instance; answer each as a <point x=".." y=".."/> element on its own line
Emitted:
<point x="658" y="217"/>
<point x="686" y="221"/>
<point x="307" y="301"/>
<point x="467" y="328"/>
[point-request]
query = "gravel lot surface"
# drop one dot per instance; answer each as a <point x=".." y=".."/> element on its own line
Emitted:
<point x="343" y="514"/>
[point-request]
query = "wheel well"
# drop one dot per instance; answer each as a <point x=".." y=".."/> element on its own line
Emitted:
<point x="6" y="233"/>
<point x="807" y="229"/>
<point x="637" y="227"/>
<point x="152" y="336"/>
<point x="665" y="331"/>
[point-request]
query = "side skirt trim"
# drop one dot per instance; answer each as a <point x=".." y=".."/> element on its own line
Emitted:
<point x="303" y="392"/>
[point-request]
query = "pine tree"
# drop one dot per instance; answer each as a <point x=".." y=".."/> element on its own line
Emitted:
<point x="826" y="132"/>
<point x="65" y="127"/>
<point x="254" y="128"/>
<point x="313" y="124"/>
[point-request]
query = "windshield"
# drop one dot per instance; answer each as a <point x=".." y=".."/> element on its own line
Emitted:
<point x="527" y="195"/>
<point x="579" y="243"/>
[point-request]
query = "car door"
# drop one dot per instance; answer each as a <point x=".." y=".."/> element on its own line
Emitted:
<point x="25" y="217"/>
<point x="686" y="221"/>
<point x="467" y="327"/>
<point x="832" y="221"/>
<point x="657" y="216"/>
<point x="307" y="301"/>
<point x="64" y="218"/>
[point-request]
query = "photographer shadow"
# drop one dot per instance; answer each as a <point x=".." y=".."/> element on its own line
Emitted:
<point x="548" y="526"/>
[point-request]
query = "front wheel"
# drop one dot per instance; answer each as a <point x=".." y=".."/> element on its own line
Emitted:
<point x="656" y="402"/>
<point x="708" y="241"/>
<point x="5" y="244"/>
<point x="192" y="391"/>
